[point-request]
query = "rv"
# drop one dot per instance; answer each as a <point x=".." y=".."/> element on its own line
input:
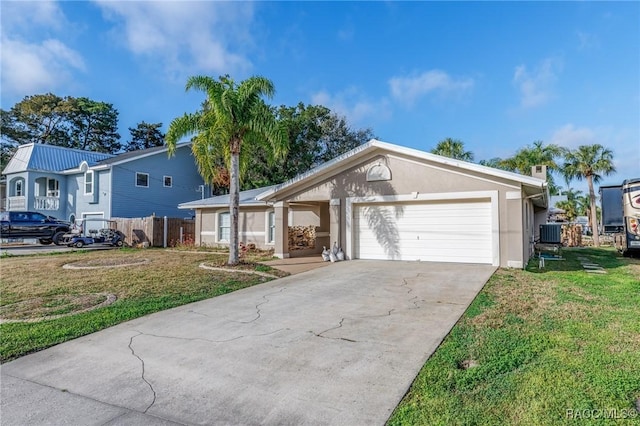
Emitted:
<point x="621" y="215"/>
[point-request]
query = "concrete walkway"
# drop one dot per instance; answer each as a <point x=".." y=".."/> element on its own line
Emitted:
<point x="297" y="265"/>
<point x="338" y="345"/>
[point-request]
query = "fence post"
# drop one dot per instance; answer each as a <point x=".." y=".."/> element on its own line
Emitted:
<point x="166" y="231"/>
<point x="181" y="235"/>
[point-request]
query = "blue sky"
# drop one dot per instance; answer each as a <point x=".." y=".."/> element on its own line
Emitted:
<point x="496" y="75"/>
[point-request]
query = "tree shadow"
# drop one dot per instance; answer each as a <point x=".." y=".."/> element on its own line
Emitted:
<point x="380" y="219"/>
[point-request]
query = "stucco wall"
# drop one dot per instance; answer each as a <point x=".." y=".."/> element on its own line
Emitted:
<point x="410" y="176"/>
<point x="252" y="225"/>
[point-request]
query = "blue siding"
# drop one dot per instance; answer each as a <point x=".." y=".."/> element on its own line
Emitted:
<point x="99" y="202"/>
<point x="131" y="201"/>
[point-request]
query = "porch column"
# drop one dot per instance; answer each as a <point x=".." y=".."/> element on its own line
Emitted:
<point x="334" y="222"/>
<point x="281" y="243"/>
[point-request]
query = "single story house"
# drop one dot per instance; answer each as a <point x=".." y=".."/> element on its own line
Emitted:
<point x="384" y="201"/>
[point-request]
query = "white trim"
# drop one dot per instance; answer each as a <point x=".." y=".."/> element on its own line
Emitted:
<point x="93" y="182"/>
<point x="493" y="197"/>
<point x="164" y="181"/>
<point x="513" y="195"/>
<point x="267" y="226"/>
<point x="374" y="144"/>
<point x="148" y="154"/>
<point x="281" y="204"/>
<point x="142" y="186"/>
<point x="218" y="214"/>
<point x="84" y="214"/>
<point x="467" y="175"/>
<point x="334" y="202"/>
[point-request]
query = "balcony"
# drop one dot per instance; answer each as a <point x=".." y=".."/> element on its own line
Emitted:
<point x="46" y="203"/>
<point x="17" y="203"/>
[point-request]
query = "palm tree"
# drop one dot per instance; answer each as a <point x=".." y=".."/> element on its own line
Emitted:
<point x="232" y="116"/>
<point x="534" y="155"/>
<point x="590" y="162"/>
<point x="452" y="148"/>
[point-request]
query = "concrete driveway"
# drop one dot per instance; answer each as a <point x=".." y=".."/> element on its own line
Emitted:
<point x="338" y="345"/>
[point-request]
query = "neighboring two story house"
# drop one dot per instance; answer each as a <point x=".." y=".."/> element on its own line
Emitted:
<point x="73" y="184"/>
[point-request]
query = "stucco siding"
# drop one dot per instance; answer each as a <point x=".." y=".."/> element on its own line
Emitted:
<point x="252" y="226"/>
<point x="412" y="177"/>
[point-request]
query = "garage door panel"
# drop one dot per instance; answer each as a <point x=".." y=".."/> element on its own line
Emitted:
<point x="435" y="231"/>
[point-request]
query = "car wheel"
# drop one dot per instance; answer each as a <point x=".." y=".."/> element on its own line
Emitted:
<point x="57" y="237"/>
<point x="119" y="243"/>
<point x="79" y="244"/>
<point x="45" y="241"/>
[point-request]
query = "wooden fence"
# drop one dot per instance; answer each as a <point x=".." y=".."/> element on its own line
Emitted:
<point x="150" y="231"/>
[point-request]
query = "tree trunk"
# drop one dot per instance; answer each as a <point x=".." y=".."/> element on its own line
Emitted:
<point x="594" y="214"/>
<point x="234" y="207"/>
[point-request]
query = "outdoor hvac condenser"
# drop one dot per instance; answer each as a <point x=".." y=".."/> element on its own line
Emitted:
<point x="550" y="234"/>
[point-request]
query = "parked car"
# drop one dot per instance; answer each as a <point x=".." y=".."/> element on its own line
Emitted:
<point x="46" y="229"/>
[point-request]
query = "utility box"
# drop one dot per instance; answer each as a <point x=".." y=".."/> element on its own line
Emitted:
<point x="551" y="233"/>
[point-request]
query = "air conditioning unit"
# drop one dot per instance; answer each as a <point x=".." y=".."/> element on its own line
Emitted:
<point x="550" y="234"/>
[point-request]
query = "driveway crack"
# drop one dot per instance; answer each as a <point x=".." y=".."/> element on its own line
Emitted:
<point x="331" y="329"/>
<point x="258" y="310"/>
<point x="133" y="352"/>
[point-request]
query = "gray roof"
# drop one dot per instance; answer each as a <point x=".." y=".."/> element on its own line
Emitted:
<point x="42" y="157"/>
<point x="247" y="198"/>
<point x="132" y="155"/>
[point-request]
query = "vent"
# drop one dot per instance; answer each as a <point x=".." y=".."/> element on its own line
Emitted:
<point x="550" y="234"/>
<point x="539" y="171"/>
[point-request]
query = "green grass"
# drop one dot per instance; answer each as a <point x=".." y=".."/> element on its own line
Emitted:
<point x="546" y="347"/>
<point x="169" y="279"/>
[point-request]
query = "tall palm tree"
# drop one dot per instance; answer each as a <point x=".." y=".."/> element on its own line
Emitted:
<point x="589" y="162"/>
<point x="233" y="115"/>
<point x="452" y="148"/>
<point x="534" y="155"/>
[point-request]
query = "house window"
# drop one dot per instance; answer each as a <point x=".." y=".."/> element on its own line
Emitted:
<point x="18" y="190"/>
<point x="272" y="228"/>
<point x="168" y="181"/>
<point x="142" y="179"/>
<point x="53" y="188"/>
<point x="88" y="182"/>
<point x="224" y="226"/>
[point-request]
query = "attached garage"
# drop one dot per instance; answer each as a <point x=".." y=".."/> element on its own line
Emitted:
<point x="384" y="201"/>
<point x="439" y="231"/>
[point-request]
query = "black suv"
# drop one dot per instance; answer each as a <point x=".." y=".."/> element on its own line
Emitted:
<point x="46" y="229"/>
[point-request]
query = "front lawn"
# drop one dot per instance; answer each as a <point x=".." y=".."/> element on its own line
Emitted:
<point x="539" y="347"/>
<point x="32" y="287"/>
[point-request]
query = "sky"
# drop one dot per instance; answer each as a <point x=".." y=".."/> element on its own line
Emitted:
<point x="496" y="75"/>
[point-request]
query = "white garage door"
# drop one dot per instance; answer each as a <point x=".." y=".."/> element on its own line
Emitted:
<point x="433" y="231"/>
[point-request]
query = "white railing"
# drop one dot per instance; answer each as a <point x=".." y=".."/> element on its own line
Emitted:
<point x="17" y="203"/>
<point x="46" y="203"/>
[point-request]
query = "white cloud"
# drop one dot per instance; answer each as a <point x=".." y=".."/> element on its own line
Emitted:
<point x="623" y="143"/>
<point x="21" y="16"/>
<point x="187" y="37"/>
<point x="28" y="68"/>
<point x="587" y="40"/>
<point x="354" y="105"/>
<point x="31" y="64"/>
<point x="408" y="89"/>
<point x="536" y="86"/>
<point x="569" y="136"/>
